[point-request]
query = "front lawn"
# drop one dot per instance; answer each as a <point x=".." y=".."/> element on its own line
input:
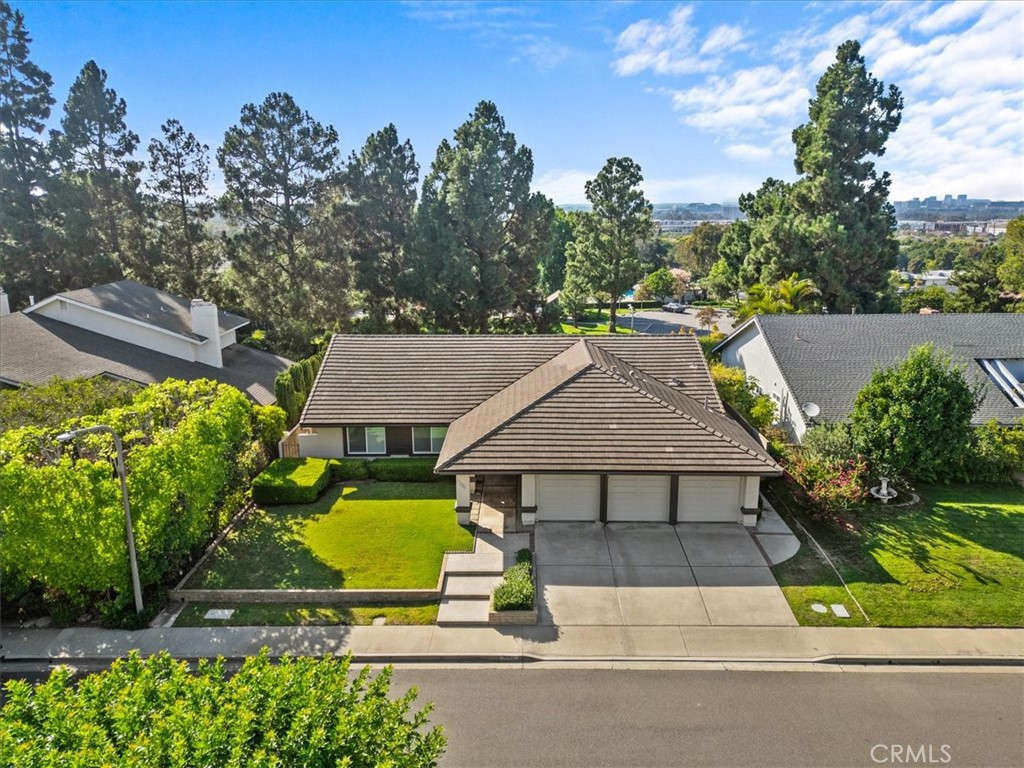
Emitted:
<point x="288" y="615"/>
<point x="594" y="329"/>
<point x="359" y="535"/>
<point x="956" y="560"/>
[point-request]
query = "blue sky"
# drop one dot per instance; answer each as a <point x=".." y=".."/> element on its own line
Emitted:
<point x="703" y="95"/>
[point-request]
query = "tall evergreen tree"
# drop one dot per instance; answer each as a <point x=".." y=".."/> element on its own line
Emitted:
<point x="375" y="218"/>
<point x="481" y="232"/>
<point x="180" y="173"/>
<point x="98" y="192"/>
<point x="25" y="103"/>
<point x="836" y="224"/>
<point x="278" y="165"/>
<point x="606" y="248"/>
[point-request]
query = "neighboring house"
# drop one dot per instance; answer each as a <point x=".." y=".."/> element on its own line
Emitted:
<point x="816" y="364"/>
<point x="626" y="428"/>
<point x="130" y="331"/>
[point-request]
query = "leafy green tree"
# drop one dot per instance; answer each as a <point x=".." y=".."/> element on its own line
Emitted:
<point x="375" y="219"/>
<point x="978" y="281"/>
<point x="575" y="293"/>
<point x="157" y="711"/>
<point x="1011" y="271"/>
<point x="774" y="245"/>
<point x="98" y="192"/>
<point x="834" y="224"/>
<point x="188" y="257"/>
<point x="482" y="233"/>
<point x="278" y="165"/>
<point x="25" y="102"/>
<point x="913" y="420"/>
<point x="53" y="403"/>
<point x="698" y="251"/>
<point x="932" y="297"/>
<point x="721" y="281"/>
<point x="606" y="246"/>
<point x="552" y="262"/>
<point x="735" y="244"/>
<point x="662" y="284"/>
<point x="790" y="296"/>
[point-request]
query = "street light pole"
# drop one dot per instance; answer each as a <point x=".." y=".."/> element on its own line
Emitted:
<point x="132" y="559"/>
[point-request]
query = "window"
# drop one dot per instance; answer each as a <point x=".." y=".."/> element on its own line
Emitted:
<point x="366" y="440"/>
<point x="428" y="439"/>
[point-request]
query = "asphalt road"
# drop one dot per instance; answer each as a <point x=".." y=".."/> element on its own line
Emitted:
<point x="600" y="717"/>
<point x="659" y="322"/>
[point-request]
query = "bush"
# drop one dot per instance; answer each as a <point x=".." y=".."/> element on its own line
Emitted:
<point x="743" y="394"/>
<point x="53" y="403"/>
<point x="293" y="385"/>
<point x="348" y="469"/>
<point x="830" y="441"/>
<point x="269" y="423"/>
<point x="291" y="481"/>
<point x="515" y="591"/>
<point x="833" y="485"/>
<point x="62" y="517"/>
<point x="996" y="453"/>
<point x="155" y="711"/>
<point x="404" y="470"/>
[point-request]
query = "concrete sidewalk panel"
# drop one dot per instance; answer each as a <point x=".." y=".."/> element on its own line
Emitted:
<point x="927" y="642"/>
<point x="372" y="640"/>
<point x="754" y="642"/>
<point x="486" y="641"/>
<point x="199" y="642"/>
<point x="575" y="642"/>
<point x="571" y="544"/>
<point x="302" y="641"/>
<point x="92" y="642"/>
<point x="656" y="642"/>
<point x="644" y="544"/>
<point x="22" y="643"/>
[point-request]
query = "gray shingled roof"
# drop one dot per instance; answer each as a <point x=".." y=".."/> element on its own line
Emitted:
<point x="34" y="349"/>
<point x="148" y="305"/>
<point x="427" y="379"/>
<point x="586" y="410"/>
<point x="827" y="359"/>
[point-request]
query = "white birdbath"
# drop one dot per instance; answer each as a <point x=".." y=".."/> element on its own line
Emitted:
<point x="883" y="492"/>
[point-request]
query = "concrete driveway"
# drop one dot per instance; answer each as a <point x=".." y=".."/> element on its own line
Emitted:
<point x="650" y="574"/>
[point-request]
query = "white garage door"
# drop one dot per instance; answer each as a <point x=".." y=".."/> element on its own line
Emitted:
<point x="638" y="498"/>
<point x="568" y="497"/>
<point x="709" y="499"/>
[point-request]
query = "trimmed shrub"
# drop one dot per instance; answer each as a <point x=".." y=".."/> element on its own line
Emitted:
<point x="515" y="591"/>
<point x="269" y="423"/>
<point x="833" y="485"/>
<point x="996" y="453"/>
<point x="155" y="711"/>
<point x="348" y="469"/>
<point x="291" y="481"/>
<point x="293" y="385"/>
<point x="404" y="470"/>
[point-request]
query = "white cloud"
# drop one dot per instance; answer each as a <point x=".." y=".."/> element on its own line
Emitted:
<point x="950" y="15"/>
<point x="564" y="186"/>
<point x="749" y="152"/>
<point x="744" y="102"/>
<point x="671" y="47"/>
<point x="543" y="52"/>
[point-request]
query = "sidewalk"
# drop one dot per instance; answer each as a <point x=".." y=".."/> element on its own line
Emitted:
<point x="373" y="644"/>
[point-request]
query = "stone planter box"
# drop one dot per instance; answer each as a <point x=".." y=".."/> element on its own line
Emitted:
<point x="507" y="618"/>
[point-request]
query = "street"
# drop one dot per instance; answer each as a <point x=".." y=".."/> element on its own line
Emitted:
<point x="663" y="717"/>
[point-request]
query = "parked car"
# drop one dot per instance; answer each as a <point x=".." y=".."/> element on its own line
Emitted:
<point x="674" y="306"/>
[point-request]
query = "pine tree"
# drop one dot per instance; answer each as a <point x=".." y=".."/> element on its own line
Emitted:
<point x="25" y="103"/>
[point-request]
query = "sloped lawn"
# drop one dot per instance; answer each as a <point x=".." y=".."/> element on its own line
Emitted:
<point x="955" y="560"/>
<point x="358" y="535"/>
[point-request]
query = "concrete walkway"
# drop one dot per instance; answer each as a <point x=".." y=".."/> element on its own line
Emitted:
<point x="371" y="644"/>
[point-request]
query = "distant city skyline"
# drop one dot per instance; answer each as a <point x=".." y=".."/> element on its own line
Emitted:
<point x="704" y="96"/>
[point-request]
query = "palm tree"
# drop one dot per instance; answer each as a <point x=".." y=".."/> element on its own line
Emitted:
<point x="791" y="296"/>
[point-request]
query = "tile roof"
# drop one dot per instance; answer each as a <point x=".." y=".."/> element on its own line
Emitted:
<point x="434" y="379"/>
<point x="827" y="359"/>
<point x="148" y="305"/>
<point x="34" y="349"/>
<point x="587" y="410"/>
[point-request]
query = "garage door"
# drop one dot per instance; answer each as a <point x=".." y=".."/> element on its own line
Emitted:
<point x="638" y="498"/>
<point x="704" y="499"/>
<point x="568" y="497"/>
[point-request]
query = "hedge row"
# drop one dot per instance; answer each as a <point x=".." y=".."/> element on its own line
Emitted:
<point x="392" y="470"/>
<point x="291" y="481"/>
<point x="515" y="591"/>
<point x="293" y="385"/>
<point x="62" y="517"/>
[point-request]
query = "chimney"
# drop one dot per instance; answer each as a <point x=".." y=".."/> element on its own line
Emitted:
<point x="5" y="305"/>
<point x="205" y="324"/>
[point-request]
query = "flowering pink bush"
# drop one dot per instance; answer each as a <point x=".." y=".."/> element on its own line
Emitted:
<point x="833" y="485"/>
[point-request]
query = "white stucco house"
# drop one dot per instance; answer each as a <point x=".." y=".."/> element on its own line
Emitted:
<point x="604" y="429"/>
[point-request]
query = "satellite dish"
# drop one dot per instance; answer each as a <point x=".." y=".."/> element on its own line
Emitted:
<point x="811" y="409"/>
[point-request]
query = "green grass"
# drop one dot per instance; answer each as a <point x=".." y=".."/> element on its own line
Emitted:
<point x="956" y="559"/>
<point x="593" y="329"/>
<point x="359" y="535"/>
<point x="289" y="615"/>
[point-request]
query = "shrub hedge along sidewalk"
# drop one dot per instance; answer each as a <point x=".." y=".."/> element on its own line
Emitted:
<point x="155" y="711"/>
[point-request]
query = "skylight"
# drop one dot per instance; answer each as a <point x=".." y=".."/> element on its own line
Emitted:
<point x="1007" y="375"/>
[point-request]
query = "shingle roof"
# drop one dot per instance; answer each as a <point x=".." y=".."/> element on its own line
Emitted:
<point x="34" y="349"/>
<point x="426" y="379"/>
<point x="148" y="305"/>
<point x="827" y="359"/>
<point x="586" y="410"/>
